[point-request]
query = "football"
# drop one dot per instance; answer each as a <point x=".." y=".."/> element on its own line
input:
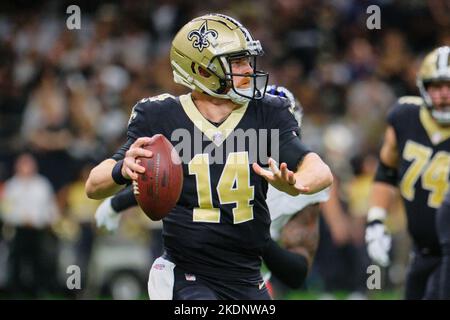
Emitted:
<point x="157" y="190"/>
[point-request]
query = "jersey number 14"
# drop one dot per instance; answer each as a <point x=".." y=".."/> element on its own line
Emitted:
<point x="233" y="188"/>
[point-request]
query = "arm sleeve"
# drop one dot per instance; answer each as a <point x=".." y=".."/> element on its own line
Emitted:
<point x="120" y="153"/>
<point x="124" y="199"/>
<point x="443" y="230"/>
<point x="291" y="268"/>
<point x="291" y="149"/>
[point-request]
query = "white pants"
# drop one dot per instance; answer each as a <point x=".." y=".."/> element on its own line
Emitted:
<point x="161" y="280"/>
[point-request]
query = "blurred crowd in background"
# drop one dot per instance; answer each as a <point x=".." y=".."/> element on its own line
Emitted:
<point x="66" y="96"/>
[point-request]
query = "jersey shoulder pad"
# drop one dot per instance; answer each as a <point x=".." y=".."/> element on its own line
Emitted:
<point x="273" y="101"/>
<point x="410" y="100"/>
<point x="405" y="110"/>
<point x="159" y="98"/>
<point x="151" y="105"/>
<point x="272" y="106"/>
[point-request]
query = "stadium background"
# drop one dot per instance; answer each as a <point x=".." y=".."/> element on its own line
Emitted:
<point x="66" y="95"/>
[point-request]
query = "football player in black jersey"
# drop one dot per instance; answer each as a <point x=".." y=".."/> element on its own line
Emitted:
<point x="294" y="219"/>
<point x="215" y="235"/>
<point x="443" y="230"/>
<point x="415" y="157"/>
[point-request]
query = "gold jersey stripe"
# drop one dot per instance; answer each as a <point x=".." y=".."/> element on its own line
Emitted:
<point x="216" y="134"/>
<point x="436" y="133"/>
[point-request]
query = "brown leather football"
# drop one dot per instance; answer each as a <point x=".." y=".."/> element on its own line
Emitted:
<point x="158" y="189"/>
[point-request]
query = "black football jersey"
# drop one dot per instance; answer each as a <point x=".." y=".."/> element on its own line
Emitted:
<point x="221" y="221"/>
<point x="443" y="229"/>
<point x="424" y="167"/>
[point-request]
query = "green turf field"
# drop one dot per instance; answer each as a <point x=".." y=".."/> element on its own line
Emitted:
<point x="309" y="295"/>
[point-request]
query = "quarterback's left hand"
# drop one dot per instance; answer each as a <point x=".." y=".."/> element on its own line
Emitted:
<point x="281" y="178"/>
<point x="106" y="216"/>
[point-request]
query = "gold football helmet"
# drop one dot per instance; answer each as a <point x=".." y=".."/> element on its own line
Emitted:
<point x="201" y="56"/>
<point x="435" y="68"/>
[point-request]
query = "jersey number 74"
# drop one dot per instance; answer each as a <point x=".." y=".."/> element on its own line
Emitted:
<point x="433" y="170"/>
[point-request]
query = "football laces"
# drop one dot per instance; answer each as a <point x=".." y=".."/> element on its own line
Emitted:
<point x="135" y="188"/>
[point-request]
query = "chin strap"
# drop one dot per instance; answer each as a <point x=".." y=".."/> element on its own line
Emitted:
<point x="236" y="98"/>
<point x="442" y="117"/>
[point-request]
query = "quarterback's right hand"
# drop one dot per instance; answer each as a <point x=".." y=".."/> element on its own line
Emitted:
<point x="106" y="216"/>
<point x="378" y="243"/>
<point x="130" y="165"/>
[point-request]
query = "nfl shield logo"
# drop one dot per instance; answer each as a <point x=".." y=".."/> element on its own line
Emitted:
<point x="190" y="277"/>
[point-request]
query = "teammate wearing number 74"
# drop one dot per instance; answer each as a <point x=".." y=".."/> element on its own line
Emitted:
<point x="415" y="156"/>
<point x="215" y="235"/>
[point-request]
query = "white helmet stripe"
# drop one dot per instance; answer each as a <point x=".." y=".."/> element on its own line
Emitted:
<point x="443" y="67"/>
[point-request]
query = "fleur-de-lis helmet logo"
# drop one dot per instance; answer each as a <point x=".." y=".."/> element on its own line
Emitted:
<point x="200" y="36"/>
